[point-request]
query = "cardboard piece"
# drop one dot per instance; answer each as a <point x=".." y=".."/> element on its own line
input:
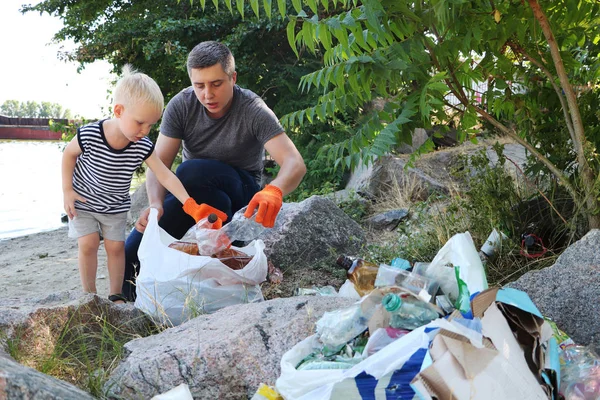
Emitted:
<point x="517" y="362"/>
<point x="460" y="371"/>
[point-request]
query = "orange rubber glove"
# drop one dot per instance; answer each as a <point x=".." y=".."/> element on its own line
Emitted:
<point x="202" y="211"/>
<point x="268" y="201"/>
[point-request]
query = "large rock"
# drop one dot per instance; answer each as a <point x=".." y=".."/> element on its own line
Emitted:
<point x="430" y="173"/>
<point x="20" y="382"/>
<point x="39" y="324"/>
<point x="222" y="355"/>
<point x="312" y="231"/>
<point x="568" y="291"/>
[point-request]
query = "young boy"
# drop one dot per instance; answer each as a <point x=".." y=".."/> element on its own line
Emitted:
<point x="97" y="169"/>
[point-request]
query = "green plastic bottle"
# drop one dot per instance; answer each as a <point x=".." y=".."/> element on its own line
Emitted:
<point x="407" y="312"/>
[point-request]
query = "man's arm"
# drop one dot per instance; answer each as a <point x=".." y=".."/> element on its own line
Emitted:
<point x="268" y="201"/>
<point x="166" y="149"/>
<point x="291" y="164"/>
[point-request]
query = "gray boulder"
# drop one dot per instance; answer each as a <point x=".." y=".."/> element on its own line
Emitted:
<point x="430" y="173"/>
<point x="388" y="220"/>
<point x="222" y="355"/>
<point x="312" y="231"/>
<point x="20" y="382"/>
<point x="567" y="292"/>
<point x="39" y="324"/>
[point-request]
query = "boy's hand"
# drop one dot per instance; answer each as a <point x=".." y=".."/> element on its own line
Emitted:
<point x="201" y="211"/>
<point x="69" y="198"/>
<point x="268" y="201"/>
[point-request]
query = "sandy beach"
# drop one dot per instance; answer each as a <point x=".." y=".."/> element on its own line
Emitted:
<point x="44" y="263"/>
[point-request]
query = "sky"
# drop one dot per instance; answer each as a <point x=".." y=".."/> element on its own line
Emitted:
<point x="31" y="70"/>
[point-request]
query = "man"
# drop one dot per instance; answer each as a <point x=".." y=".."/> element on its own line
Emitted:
<point x="224" y="130"/>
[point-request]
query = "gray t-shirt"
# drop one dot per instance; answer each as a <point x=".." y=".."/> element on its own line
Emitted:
<point x="237" y="138"/>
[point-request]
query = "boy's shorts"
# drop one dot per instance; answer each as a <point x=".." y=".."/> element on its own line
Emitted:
<point x="112" y="226"/>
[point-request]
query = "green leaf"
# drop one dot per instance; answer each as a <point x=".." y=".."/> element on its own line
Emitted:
<point x="240" y="7"/>
<point x="228" y="5"/>
<point x="254" y="5"/>
<point x="324" y="36"/>
<point x="202" y="4"/>
<point x="312" y="4"/>
<point x="297" y="5"/>
<point x="281" y="6"/>
<point x="267" y="4"/>
<point x="291" y="29"/>
<point x="307" y="35"/>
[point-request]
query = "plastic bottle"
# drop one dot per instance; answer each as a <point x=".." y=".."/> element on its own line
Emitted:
<point x="407" y="312"/>
<point x="361" y="273"/>
<point x="243" y="229"/>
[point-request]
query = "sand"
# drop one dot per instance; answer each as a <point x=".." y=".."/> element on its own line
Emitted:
<point x="44" y="263"/>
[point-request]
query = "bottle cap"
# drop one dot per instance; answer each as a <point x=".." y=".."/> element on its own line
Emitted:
<point x="212" y="218"/>
<point x="391" y="302"/>
<point x="344" y="261"/>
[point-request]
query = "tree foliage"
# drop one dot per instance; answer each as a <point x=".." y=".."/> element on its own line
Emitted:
<point x="32" y="109"/>
<point x="425" y="59"/>
<point x="156" y="36"/>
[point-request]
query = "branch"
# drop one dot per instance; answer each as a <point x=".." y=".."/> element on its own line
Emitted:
<point x="587" y="174"/>
<point x="565" y="107"/>
<point x="510" y="132"/>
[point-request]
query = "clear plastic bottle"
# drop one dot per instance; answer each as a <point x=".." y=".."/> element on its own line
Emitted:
<point x="407" y="312"/>
<point x="361" y="273"/>
<point x="243" y="229"/>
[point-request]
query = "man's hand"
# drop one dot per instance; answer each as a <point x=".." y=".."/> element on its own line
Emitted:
<point x="69" y="198"/>
<point x="142" y="221"/>
<point x="200" y="211"/>
<point x="268" y="201"/>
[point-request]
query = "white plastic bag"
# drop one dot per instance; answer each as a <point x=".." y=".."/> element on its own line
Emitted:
<point x="173" y="286"/>
<point x="458" y="251"/>
<point x="393" y="367"/>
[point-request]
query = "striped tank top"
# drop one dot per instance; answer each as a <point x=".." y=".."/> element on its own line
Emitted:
<point x="102" y="174"/>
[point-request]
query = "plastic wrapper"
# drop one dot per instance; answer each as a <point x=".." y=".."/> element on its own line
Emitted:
<point x="580" y="373"/>
<point x="212" y="241"/>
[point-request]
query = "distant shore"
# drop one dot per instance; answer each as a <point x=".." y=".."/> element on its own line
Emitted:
<point x="39" y="264"/>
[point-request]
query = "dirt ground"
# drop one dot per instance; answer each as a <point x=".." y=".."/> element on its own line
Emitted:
<point x="44" y="263"/>
<point x="36" y="265"/>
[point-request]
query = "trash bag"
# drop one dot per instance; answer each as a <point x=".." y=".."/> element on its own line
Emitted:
<point x="173" y="286"/>
<point x="458" y="251"/>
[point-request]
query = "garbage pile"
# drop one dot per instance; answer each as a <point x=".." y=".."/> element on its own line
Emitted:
<point x="434" y="331"/>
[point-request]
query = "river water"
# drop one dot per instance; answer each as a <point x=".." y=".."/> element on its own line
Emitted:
<point x="30" y="187"/>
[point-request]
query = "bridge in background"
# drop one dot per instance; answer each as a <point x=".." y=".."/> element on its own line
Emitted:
<point x="28" y="128"/>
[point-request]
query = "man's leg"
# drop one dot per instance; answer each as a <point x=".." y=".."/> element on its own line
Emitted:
<point x="208" y="181"/>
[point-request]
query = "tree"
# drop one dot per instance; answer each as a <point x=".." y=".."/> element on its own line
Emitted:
<point x="31" y="109"/>
<point x="418" y="56"/>
<point x="10" y="108"/>
<point x="156" y="36"/>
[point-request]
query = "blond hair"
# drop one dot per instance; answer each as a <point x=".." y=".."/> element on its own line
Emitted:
<point x="136" y="88"/>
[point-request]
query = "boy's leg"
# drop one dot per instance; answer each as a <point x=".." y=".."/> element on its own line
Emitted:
<point x="207" y="181"/>
<point x="113" y="231"/>
<point x="84" y="227"/>
<point x="88" y="260"/>
<point x="115" y="254"/>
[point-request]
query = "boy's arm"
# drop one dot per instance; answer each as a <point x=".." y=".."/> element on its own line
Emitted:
<point x="166" y="149"/>
<point x="69" y="158"/>
<point x="165" y="177"/>
<point x="170" y="181"/>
